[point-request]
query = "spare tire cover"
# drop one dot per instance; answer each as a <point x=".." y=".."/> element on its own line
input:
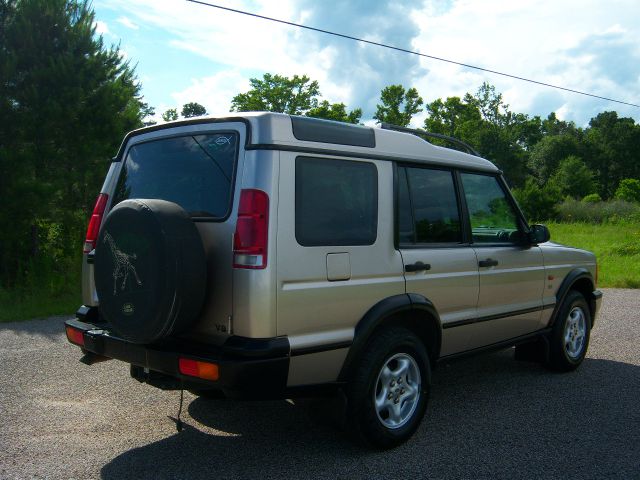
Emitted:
<point x="150" y="270"/>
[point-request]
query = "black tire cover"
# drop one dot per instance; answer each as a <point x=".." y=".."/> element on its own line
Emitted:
<point x="150" y="270"/>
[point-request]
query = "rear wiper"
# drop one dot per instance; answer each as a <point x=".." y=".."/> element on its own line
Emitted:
<point x="212" y="158"/>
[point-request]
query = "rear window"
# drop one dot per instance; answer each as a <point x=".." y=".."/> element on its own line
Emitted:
<point x="194" y="171"/>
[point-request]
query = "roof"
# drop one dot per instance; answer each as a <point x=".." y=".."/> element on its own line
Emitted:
<point x="286" y="132"/>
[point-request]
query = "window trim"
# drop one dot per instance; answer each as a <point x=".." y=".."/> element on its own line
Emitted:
<point x="328" y="160"/>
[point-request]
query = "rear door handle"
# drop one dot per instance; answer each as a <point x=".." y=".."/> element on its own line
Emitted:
<point x="489" y="262"/>
<point x="417" y="267"/>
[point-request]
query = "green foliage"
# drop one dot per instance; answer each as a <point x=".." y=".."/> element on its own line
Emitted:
<point x="170" y="115"/>
<point x="335" y="111"/>
<point x="592" y="198"/>
<point x="613" y="145"/>
<point x="573" y="178"/>
<point x="193" y="109"/>
<point x="44" y="287"/>
<point x="538" y="203"/>
<point x="485" y="122"/>
<point x="452" y="117"/>
<point x="546" y="155"/>
<point x="611" y="211"/>
<point x="276" y="93"/>
<point x="616" y="245"/>
<point x="66" y="101"/>
<point x="629" y="190"/>
<point x="398" y="105"/>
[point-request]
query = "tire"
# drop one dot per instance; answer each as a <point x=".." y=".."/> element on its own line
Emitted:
<point x="569" y="338"/>
<point x="394" y="369"/>
<point x="150" y="270"/>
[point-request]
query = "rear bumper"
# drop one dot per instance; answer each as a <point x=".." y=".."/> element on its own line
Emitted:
<point x="248" y="368"/>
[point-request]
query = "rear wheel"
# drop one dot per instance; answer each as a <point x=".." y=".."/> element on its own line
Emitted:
<point x="570" y="335"/>
<point x="387" y="397"/>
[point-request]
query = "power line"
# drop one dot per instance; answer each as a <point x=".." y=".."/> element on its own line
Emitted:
<point x="404" y="50"/>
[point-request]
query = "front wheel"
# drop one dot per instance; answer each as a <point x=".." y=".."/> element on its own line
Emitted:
<point x="570" y="335"/>
<point x="387" y="397"/>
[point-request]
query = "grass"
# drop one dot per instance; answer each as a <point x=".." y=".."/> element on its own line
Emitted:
<point x="617" y="248"/>
<point x="43" y="291"/>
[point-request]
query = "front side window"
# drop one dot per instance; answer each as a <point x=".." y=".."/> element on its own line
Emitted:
<point x="492" y="216"/>
<point x="336" y="202"/>
<point x="194" y="171"/>
<point x="427" y="206"/>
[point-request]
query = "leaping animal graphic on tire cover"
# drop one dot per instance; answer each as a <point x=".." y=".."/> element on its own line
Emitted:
<point x="123" y="265"/>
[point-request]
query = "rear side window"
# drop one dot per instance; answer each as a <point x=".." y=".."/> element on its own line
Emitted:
<point x="336" y="202"/>
<point x="427" y="206"/>
<point x="194" y="171"/>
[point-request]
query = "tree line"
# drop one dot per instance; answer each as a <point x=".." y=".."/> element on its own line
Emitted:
<point x="540" y="157"/>
<point x="67" y="100"/>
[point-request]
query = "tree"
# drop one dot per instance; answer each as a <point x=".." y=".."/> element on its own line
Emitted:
<point x="612" y="145"/>
<point x="398" y="105"/>
<point x="573" y="178"/>
<point x="538" y="203"/>
<point x="66" y="101"/>
<point x="453" y="117"/>
<point x="629" y="190"/>
<point x="553" y="126"/>
<point x="335" y="111"/>
<point x="276" y="93"/>
<point x="170" y="115"/>
<point x="546" y="155"/>
<point x="193" y="109"/>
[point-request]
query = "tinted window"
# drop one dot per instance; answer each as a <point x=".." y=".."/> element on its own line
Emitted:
<point x="492" y="216"/>
<point x="336" y="202"/>
<point x="195" y="172"/>
<point x="430" y="196"/>
<point x="316" y="130"/>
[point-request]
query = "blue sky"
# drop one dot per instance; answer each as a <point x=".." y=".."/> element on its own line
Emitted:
<point x="188" y="52"/>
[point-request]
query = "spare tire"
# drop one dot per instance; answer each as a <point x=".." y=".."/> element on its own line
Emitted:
<point x="150" y="270"/>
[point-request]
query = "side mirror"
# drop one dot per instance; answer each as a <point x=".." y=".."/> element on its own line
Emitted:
<point x="539" y="234"/>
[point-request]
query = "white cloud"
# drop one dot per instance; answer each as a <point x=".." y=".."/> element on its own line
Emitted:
<point x="128" y="23"/>
<point x="542" y="40"/>
<point x="214" y="92"/>
<point x="101" y="28"/>
<point x="571" y="43"/>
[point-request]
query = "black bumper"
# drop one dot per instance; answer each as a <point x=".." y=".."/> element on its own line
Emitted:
<point x="248" y="368"/>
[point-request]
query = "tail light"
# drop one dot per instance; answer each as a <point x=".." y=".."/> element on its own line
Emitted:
<point x="94" y="223"/>
<point x="597" y="275"/>
<point x="250" y="239"/>
<point x="197" y="368"/>
<point x="75" y="336"/>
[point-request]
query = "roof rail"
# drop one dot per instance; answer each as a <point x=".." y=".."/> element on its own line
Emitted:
<point x="424" y="133"/>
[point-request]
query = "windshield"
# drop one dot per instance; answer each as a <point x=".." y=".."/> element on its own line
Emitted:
<point x="194" y="171"/>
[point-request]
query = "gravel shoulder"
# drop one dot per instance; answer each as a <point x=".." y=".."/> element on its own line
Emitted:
<point x="489" y="416"/>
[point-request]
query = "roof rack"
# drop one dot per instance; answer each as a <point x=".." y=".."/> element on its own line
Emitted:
<point x="424" y="133"/>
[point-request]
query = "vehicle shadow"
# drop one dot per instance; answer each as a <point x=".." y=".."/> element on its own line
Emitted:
<point x="51" y="328"/>
<point x="488" y="416"/>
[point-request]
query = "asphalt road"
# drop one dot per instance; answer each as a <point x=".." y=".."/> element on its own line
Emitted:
<point x="488" y="416"/>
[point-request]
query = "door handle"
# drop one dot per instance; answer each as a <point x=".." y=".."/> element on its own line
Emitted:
<point x="489" y="262"/>
<point x="417" y="267"/>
